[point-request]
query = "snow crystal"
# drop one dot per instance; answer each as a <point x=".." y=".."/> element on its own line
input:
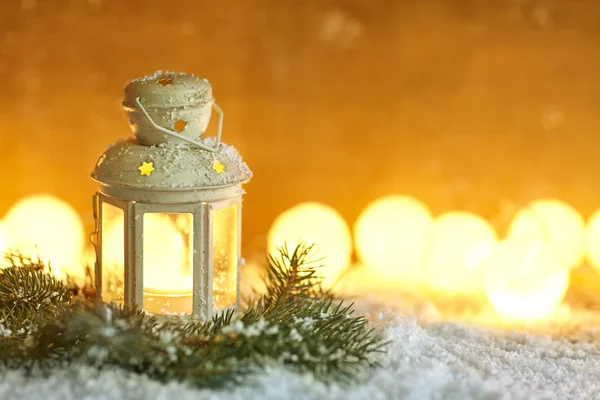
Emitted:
<point x="161" y="73"/>
<point x="98" y="354"/>
<point x="305" y="322"/>
<point x="109" y="331"/>
<point x="236" y="327"/>
<point x="4" y="331"/>
<point x="166" y="336"/>
<point x="260" y="326"/>
<point x="272" y="330"/>
<point x="295" y="335"/>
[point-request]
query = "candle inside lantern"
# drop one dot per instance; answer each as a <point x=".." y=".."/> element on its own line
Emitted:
<point x="167" y="262"/>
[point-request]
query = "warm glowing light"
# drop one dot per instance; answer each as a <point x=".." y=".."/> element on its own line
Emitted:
<point x="593" y="240"/>
<point x="319" y="224"/>
<point x="391" y="235"/>
<point x="225" y="257"/>
<point x="164" y="253"/>
<point x="556" y="223"/>
<point x="46" y="226"/>
<point x="252" y="280"/>
<point x="524" y="280"/>
<point x="3" y="243"/>
<point x="113" y="253"/>
<point x="459" y="244"/>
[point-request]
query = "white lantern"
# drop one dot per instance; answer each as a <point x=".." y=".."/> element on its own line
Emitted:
<point x="168" y="209"/>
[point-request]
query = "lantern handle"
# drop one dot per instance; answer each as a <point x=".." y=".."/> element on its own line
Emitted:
<point x="184" y="138"/>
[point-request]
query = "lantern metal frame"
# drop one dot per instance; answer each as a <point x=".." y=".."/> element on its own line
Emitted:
<point x="207" y="201"/>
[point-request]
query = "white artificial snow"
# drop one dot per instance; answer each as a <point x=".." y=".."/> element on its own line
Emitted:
<point x="176" y="165"/>
<point x="441" y="361"/>
<point x="160" y="74"/>
<point x="4" y="331"/>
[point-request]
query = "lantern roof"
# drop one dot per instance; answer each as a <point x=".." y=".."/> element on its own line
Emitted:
<point x="127" y="163"/>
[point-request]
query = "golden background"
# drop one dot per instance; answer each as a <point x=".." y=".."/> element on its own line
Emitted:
<point x="475" y="105"/>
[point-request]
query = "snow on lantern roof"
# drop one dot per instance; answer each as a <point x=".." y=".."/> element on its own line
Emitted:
<point x="168" y="89"/>
<point x="170" y="166"/>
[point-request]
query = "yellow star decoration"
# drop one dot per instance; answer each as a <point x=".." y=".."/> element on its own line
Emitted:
<point x="217" y="166"/>
<point x="179" y="125"/>
<point x="146" y="168"/>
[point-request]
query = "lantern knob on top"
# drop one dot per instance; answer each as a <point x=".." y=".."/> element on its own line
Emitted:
<point x="171" y="108"/>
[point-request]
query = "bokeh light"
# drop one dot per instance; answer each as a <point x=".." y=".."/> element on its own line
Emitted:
<point x="556" y="223"/>
<point x="319" y="224"/>
<point x="45" y="225"/>
<point x="3" y="242"/>
<point x="391" y="235"/>
<point x="524" y="280"/>
<point x="593" y="240"/>
<point x="459" y="244"/>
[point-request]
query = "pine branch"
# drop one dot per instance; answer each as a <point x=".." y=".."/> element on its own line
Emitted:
<point x="28" y="295"/>
<point x="331" y="339"/>
<point x="295" y="323"/>
<point x="293" y="276"/>
<point x="16" y="258"/>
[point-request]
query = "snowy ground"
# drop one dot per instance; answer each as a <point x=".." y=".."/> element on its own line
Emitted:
<point x="439" y="361"/>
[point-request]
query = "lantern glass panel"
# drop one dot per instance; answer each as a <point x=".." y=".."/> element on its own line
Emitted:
<point x="225" y="257"/>
<point x="168" y="256"/>
<point x="113" y="253"/>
